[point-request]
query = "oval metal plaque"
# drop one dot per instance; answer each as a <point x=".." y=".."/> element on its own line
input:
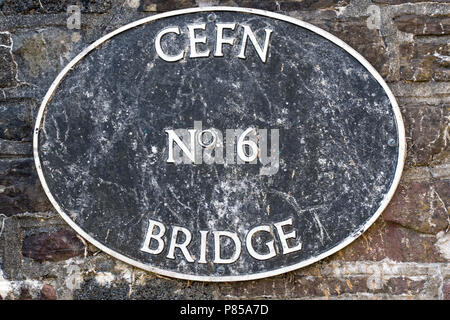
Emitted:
<point x="219" y="144"/>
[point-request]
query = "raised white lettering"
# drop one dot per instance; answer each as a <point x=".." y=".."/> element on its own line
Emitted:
<point x="158" y="237"/>
<point x="182" y="246"/>
<point x="220" y="40"/>
<point x="194" y="40"/>
<point x="262" y="52"/>
<point x="270" y="244"/>
<point x="283" y="236"/>
<point x="159" y="49"/>
<point x="217" y="245"/>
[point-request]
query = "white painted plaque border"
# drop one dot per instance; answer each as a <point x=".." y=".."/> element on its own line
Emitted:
<point x="323" y="33"/>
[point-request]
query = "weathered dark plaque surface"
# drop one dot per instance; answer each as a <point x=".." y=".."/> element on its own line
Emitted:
<point x="219" y="144"/>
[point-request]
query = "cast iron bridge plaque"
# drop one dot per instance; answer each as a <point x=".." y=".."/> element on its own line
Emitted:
<point x="219" y="144"/>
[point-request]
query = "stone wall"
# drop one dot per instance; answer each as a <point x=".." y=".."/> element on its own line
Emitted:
<point x="404" y="255"/>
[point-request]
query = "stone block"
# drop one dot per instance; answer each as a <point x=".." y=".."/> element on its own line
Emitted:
<point x="48" y="292"/>
<point x="425" y="61"/>
<point x="419" y="205"/>
<point x="13" y="7"/>
<point x="15" y="120"/>
<point x="426" y="136"/>
<point x="20" y="188"/>
<point x="423" y="24"/>
<point x="390" y="240"/>
<point x="8" y="69"/>
<point x="54" y="246"/>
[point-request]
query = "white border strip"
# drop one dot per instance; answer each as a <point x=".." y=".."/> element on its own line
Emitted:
<point x="326" y="35"/>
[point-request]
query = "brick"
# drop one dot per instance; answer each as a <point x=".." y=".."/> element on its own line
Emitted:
<point x="20" y="187"/>
<point x="441" y="159"/>
<point x="5" y="39"/>
<point x="415" y="174"/>
<point x="270" y="287"/>
<point x="425" y="127"/>
<point x="13" y="7"/>
<point x="25" y="294"/>
<point x="156" y="288"/>
<point x="385" y="239"/>
<point x="406" y="245"/>
<point x="16" y="127"/>
<point x="402" y="285"/>
<point x="418" y="205"/>
<point x="12" y="258"/>
<point x="54" y="246"/>
<point x="48" y="292"/>
<point x="8" y="69"/>
<point x="432" y="93"/>
<point x="442" y="188"/>
<point x="446" y="290"/>
<point x="165" y="5"/>
<point x="425" y="61"/>
<point x="42" y="55"/>
<point x="326" y="286"/>
<point x="16" y="148"/>
<point x="423" y="24"/>
<point x="368" y="247"/>
<point x="311" y="4"/>
<point x="306" y="5"/>
<point x="301" y="286"/>
<point x="441" y="171"/>
<point x="365" y="41"/>
<point x="395" y="2"/>
<point x="15" y="120"/>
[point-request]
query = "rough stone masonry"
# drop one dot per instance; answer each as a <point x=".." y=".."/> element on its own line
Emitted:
<point x="404" y="255"/>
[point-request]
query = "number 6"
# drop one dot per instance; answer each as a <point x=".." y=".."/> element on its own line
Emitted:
<point x="252" y="145"/>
